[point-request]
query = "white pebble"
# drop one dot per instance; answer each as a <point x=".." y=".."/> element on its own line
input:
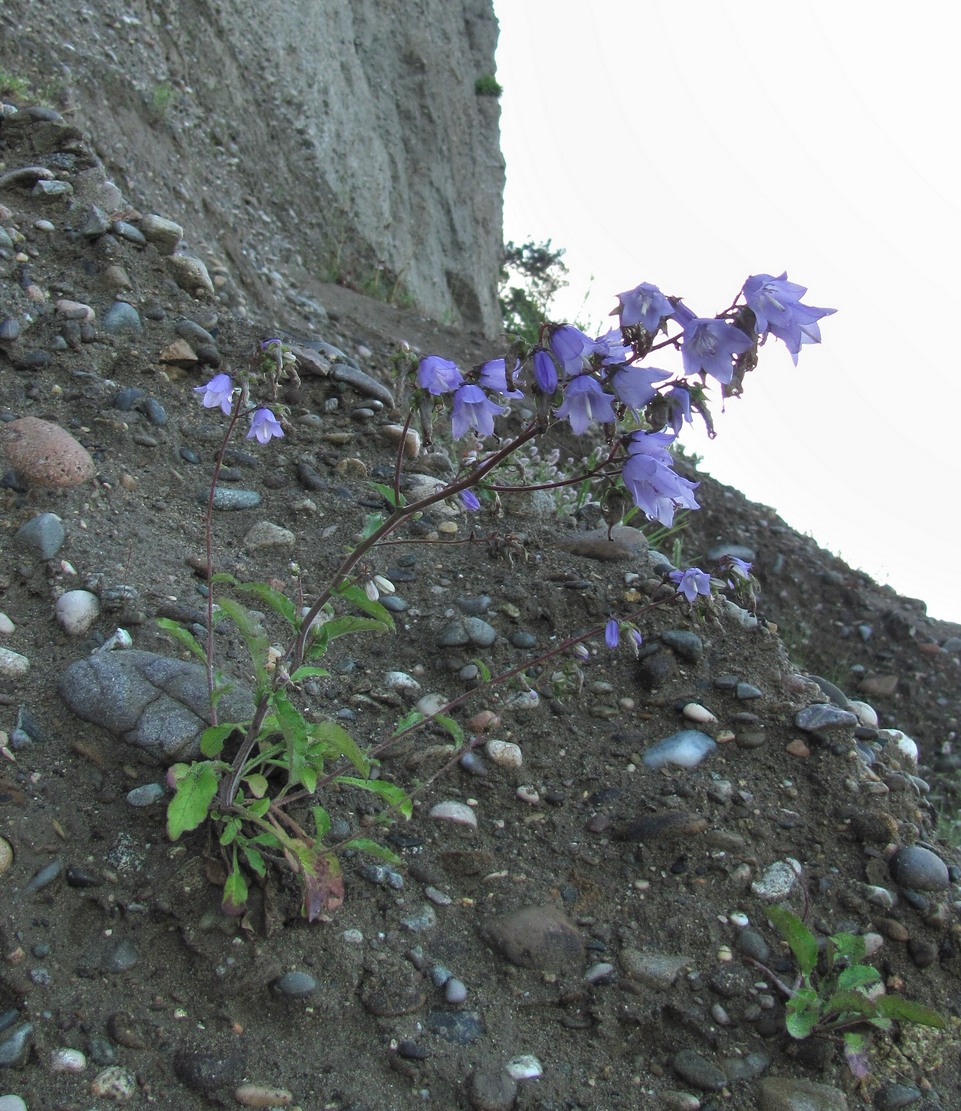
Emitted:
<point x="902" y="742"/>
<point x="738" y="918"/>
<point x="694" y="711"/>
<point x="353" y="937"/>
<point x="12" y="1103"/>
<point x="12" y="664"/>
<point x="430" y="704"/>
<point x="77" y="610"/>
<point x="504" y="753"/>
<point x="524" y="1067"/>
<point x="457" y="812"/>
<point x="114" y="1082"/>
<point x="260" y="1095"/>
<point x="527" y="794"/>
<point x="455" y="991"/>
<point x="866" y="715"/>
<point x="401" y="681"/>
<point x="524" y="700"/>
<point x="6" y="625"/>
<point x="67" y="1060"/>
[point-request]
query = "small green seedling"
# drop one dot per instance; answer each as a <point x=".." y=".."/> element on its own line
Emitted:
<point x="847" y="996"/>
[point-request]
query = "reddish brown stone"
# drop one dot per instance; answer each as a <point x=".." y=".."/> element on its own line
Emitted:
<point x="44" y="454"/>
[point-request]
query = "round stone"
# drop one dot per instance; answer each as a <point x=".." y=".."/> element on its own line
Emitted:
<point x="295" y="985"/>
<point x="918" y="868"/>
<point x="44" y="454"/>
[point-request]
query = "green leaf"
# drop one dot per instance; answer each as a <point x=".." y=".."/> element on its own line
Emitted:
<point x="294" y="730"/>
<point x="254" y="859"/>
<point x="273" y="599"/>
<point x="257" y="784"/>
<point x="844" y="1004"/>
<point x="339" y="742"/>
<point x="409" y="720"/>
<point x="230" y="831"/>
<point x="802" y="942"/>
<point x="213" y="737"/>
<point x="372" y="848"/>
<point x="850" y="947"/>
<point x="390" y="495"/>
<point x="321" y="821"/>
<point x="235" y="889"/>
<point x="191" y="803"/>
<point x="254" y="637"/>
<point x="451" y="726"/>
<point x="349" y="623"/>
<point x="905" y="1010"/>
<point x="184" y="637"/>
<point x="258" y="808"/>
<point x="485" y="671"/>
<point x="357" y="597"/>
<point x="309" y="673"/>
<point x="308" y="778"/>
<point x="396" y="798"/>
<point x="803" y="1012"/>
<point x="857" y="976"/>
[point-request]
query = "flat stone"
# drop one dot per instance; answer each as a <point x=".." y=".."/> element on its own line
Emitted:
<point x="698" y="1071"/>
<point x="655" y="970"/>
<point x="363" y="383"/>
<point x="780" y="1093"/>
<point x="159" y="704"/>
<point x="824" y="716"/>
<point x="44" y="454"/>
<point x="42" y="535"/>
<point x="190" y="274"/>
<point x="536" y="937"/>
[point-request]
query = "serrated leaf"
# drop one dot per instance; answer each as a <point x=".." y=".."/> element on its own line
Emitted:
<point x="857" y="976"/>
<point x="802" y="942"/>
<point x="190" y="805"/>
<point x="373" y="848"/>
<point x="339" y="743"/>
<point x="273" y="599"/>
<point x="905" y="1010"/>
<point x="184" y="637"/>
<point x="396" y="798"/>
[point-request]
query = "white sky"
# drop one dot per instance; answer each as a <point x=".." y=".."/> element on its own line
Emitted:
<point x="693" y="144"/>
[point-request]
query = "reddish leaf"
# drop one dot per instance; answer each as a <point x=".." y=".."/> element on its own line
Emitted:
<point x="323" y="886"/>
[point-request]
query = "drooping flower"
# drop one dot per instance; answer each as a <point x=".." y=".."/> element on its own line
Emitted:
<point x="264" y="426"/>
<point x="473" y="409"/>
<point x="438" y="376"/>
<point x="649" y="476"/>
<point x="644" y="305"/>
<point x="470" y="500"/>
<point x="709" y="346"/>
<point x="776" y="304"/>
<point x="634" y="385"/>
<point x="545" y="372"/>
<point x="218" y="392"/>
<point x="584" y="402"/>
<point x="611" y="348"/>
<point x="492" y="375"/>
<point x="679" y="406"/>
<point x="691" y="583"/>
<point x="612" y="633"/>
<point x="571" y="348"/>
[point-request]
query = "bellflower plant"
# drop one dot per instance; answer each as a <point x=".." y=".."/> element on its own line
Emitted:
<point x="261" y="783"/>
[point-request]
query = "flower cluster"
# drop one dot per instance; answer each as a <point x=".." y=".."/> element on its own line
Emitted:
<point x="221" y="393"/>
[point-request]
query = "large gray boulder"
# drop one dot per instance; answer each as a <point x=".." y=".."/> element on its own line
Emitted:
<point x="156" y="703"/>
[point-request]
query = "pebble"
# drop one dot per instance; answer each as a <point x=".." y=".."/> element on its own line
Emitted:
<point x="540" y="937"/>
<point x="164" y="234"/>
<point x="455" y="991"/>
<point x="505" y="754"/>
<point x="12" y="664"/>
<point x="295" y="985"/>
<point x="902" y="742"/>
<point x="39" y="880"/>
<point x="781" y="1093"/>
<point x="525" y="1066"/>
<point x="492" y="1089"/>
<point x="920" y="869"/>
<point x="694" y="711"/>
<point x="6" y="855"/>
<point x="363" y="383"/>
<point x="76" y="611"/>
<point x="12" y="1103"/>
<point x="42" y="535"/>
<point x="15" y="1046"/>
<point x="654" y="970"/>
<point x="227" y="499"/>
<point x="67" y="1060"/>
<point x="260" y="1095"/>
<point x="265" y="535"/>
<point x="698" y="1071"/>
<point x="777" y="881"/>
<point x="121" y="958"/>
<point x="114" y="1082"/>
<point x="684" y="643"/>
<point x="458" y="1027"/>
<point x="824" y="716"/>
<point x="451" y="811"/>
<point x="122" y="319"/>
<point x="686" y="749"/>
<point x="190" y="274"/>
<point x="44" y="454"/>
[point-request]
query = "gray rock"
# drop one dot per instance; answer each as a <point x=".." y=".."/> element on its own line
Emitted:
<point x="492" y="1089"/>
<point x="295" y="985"/>
<point x="15" y="1046"/>
<point x="227" y="499"/>
<point x="653" y="970"/>
<point x="156" y="703"/>
<point x="42" y="535"/>
<point x="781" y="1093"/>
<point x="824" y="716"/>
<point x="536" y="937"/>
<point x="895" y="1097"/>
<point x="458" y="1027"/>
<point x="363" y="383"/>
<point x="698" y="1071"/>
<point x="685" y="644"/>
<point x="919" y="869"/>
<point x="122" y="319"/>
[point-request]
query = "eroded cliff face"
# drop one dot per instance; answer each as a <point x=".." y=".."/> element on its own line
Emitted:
<point x="341" y="139"/>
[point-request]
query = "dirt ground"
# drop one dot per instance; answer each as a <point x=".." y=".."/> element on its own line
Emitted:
<point x="121" y="951"/>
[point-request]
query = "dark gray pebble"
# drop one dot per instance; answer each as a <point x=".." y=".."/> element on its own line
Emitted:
<point x="45" y="876"/>
<point x="746" y="691"/>
<point x="9" y="329"/>
<point x="132" y="234"/>
<point x="894" y="1097"/>
<point x="917" y="868"/>
<point x="459" y="1027"/>
<point x="295" y="985"/>
<point x="362" y="383"/>
<point x="80" y="877"/>
<point x="309" y="478"/>
<point x="154" y="412"/>
<point x="8" y="1018"/>
<point x="474" y="605"/>
<point x="698" y="1071"/>
<point x="492" y="1089"/>
<point x="686" y="644"/>
<point x="188" y="455"/>
<point x="210" y="1073"/>
<point x="101" y="1051"/>
<point x="122" y="319"/>
<point x="121" y="958"/>
<point x="15" y="1047"/>
<point x="126" y="399"/>
<point x="394" y="603"/>
<point x="520" y="638"/>
<point x="193" y="333"/>
<point x="837" y="696"/>
<point x="824" y="716"/>
<point x="411" y="1051"/>
<point x="42" y="535"/>
<point x="145" y="795"/>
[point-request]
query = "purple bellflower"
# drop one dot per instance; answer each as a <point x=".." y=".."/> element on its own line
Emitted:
<point x="644" y="305"/>
<point x="710" y="346"/>
<point x="611" y="348"/>
<point x="438" y="376"/>
<point x="264" y="426"/>
<point x="545" y="372"/>
<point x="691" y="583"/>
<point x="492" y="375"/>
<point x="679" y="406"/>
<point x="612" y="633"/>
<point x="218" y="392"/>
<point x="776" y="304"/>
<point x="473" y="409"/>
<point x="584" y="402"/>
<point x="470" y="500"/>
<point x="634" y="385"/>
<point x="649" y="476"/>
<point x="571" y="348"/>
